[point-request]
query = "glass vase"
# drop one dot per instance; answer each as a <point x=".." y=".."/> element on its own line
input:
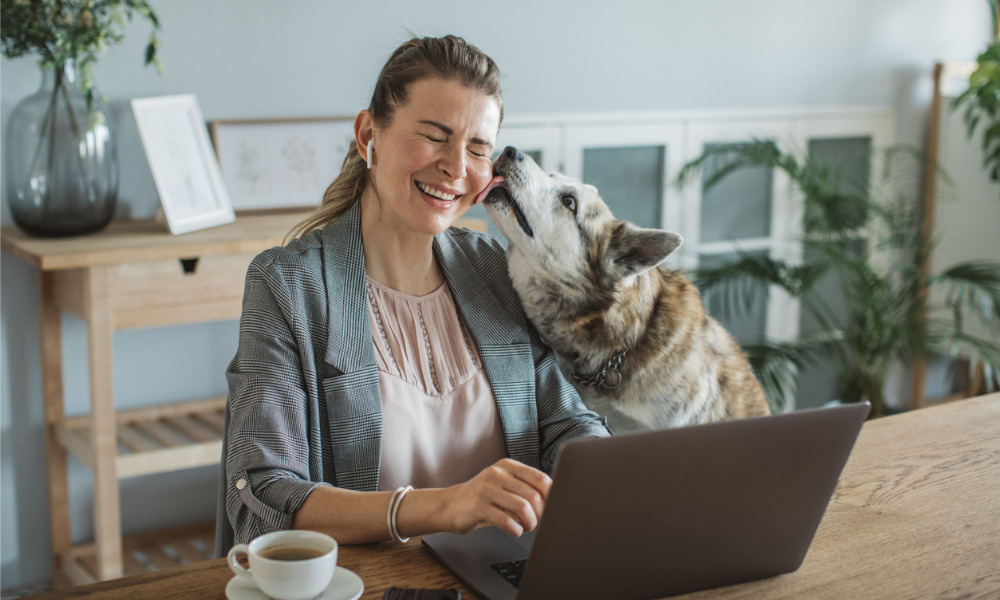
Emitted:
<point x="62" y="166"/>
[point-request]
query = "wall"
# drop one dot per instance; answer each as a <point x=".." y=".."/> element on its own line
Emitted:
<point x="255" y="59"/>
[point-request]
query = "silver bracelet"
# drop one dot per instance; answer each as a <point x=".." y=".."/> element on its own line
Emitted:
<point x="393" y="513"/>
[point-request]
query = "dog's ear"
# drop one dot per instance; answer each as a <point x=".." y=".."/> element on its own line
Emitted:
<point x="634" y="250"/>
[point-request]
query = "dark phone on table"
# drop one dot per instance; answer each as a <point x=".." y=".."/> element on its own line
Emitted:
<point x="397" y="593"/>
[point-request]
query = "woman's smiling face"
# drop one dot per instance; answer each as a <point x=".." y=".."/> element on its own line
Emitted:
<point x="435" y="156"/>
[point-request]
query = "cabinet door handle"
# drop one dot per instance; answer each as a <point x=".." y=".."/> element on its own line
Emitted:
<point x="190" y="265"/>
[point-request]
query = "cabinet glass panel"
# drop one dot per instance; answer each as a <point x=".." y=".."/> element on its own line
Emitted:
<point x="846" y="164"/>
<point x="630" y="180"/>
<point x="745" y="317"/>
<point x="818" y="382"/>
<point x="739" y="205"/>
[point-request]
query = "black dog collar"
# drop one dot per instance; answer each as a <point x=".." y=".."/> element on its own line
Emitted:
<point x="608" y="377"/>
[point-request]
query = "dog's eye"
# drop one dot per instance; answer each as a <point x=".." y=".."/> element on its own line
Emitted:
<point x="569" y="201"/>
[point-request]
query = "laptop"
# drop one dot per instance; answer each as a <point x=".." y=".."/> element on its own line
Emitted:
<point x="654" y="514"/>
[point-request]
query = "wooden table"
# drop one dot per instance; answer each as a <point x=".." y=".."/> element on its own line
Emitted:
<point x="916" y="515"/>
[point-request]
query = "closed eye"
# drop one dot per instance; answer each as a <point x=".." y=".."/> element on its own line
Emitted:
<point x="569" y="201"/>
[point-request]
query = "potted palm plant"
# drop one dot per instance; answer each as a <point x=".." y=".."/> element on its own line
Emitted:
<point x="873" y="247"/>
<point x="981" y="101"/>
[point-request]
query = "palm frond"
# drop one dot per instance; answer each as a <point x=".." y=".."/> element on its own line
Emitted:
<point x="977" y="351"/>
<point x="723" y="159"/>
<point x="776" y="367"/>
<point x="974" y="285"/>
<point x="760" y="270"/>
<point x="821" y="344"/>
<point x="733" y="288"/>
<point x="777" y="364"/>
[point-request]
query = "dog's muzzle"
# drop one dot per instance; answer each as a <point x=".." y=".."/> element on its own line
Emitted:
<point x="506" y="168"/>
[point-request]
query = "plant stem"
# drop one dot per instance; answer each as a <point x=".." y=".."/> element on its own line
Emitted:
<point x="48" y="121"/>
<point x="52" y="144"/>
<point x="78" y="135"/>
<point x="995" y="10"/>
<point x="875" y="397"/>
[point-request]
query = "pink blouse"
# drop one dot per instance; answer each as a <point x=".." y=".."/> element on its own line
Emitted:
<point x="440" y="424"/>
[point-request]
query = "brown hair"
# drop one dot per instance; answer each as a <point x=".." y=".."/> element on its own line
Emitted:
<point x="450" y="58"/>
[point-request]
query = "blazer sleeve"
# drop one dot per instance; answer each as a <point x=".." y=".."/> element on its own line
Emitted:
<point x="271" y="419"/>
<point x="562" y="415"/>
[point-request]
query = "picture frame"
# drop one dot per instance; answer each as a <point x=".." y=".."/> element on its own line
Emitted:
<point x="280" y="164"/>
<point x="192" y="193"/>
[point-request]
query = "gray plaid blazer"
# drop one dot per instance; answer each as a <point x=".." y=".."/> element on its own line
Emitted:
<point x="304" y="409"/>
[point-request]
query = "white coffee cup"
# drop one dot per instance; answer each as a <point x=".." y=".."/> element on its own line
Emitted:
<point x="288" y="565"/>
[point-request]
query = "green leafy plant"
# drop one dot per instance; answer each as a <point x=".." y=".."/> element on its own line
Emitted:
<point x="59" y="31"/>
<point x="981" y="101"/>
<point x="873" y="248"/>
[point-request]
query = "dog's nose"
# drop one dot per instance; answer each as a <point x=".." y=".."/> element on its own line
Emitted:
<point x="512" y="153"/>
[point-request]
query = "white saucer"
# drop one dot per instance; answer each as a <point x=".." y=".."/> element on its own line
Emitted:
<point x="345" y="585"/>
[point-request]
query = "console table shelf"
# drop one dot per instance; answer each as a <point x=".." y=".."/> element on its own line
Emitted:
<point x="155" y="440"/>
<point x="141" y="553"/>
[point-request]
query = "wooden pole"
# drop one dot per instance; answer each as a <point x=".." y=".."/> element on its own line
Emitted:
<point x="919" y="367"/>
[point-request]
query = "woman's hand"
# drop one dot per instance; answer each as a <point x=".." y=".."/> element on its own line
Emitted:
<point x="508" y="494"/>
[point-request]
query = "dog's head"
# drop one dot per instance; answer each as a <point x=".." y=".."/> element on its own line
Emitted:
<point x="560" y="226"/>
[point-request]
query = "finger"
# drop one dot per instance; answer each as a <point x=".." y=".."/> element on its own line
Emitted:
<point x="531" y="476"/>
<point x="522" y="473"/>
<point x="526" y="483"/>
<point x="505" y="521"/>
<point x="520" y="508"/>
<point x="520" y="498"/>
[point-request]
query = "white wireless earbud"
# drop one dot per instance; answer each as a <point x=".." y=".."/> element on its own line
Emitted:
<point x="371" y="146"/>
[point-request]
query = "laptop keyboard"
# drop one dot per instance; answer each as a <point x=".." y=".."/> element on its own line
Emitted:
<point x="511" y="570"/>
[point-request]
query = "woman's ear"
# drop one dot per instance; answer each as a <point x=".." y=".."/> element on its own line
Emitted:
<point x="364" y="136"/>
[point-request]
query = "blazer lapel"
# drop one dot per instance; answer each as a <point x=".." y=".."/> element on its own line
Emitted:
<point x="350" y="344"/>
<point x="355" y="414"/>
<point x="503" y="343"/>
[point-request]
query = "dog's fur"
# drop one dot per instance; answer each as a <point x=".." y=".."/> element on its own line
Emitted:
<point x="593" y="286"/>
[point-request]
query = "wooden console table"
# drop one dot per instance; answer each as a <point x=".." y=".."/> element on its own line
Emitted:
<point x="133" y="275"/>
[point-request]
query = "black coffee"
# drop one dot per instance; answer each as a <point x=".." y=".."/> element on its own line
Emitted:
<point x="290" y="553"/>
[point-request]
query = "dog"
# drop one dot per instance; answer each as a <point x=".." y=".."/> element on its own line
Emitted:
<point x="633" y="336"/>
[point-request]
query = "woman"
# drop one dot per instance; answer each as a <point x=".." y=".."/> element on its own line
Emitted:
<point x="384" y="349"/>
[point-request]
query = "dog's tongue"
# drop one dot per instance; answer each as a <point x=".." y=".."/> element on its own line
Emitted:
<point x="495" y="182"/>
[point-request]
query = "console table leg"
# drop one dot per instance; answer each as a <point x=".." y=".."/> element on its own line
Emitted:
<point x="54" y="411"/>
<point x="107" y="512"/>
